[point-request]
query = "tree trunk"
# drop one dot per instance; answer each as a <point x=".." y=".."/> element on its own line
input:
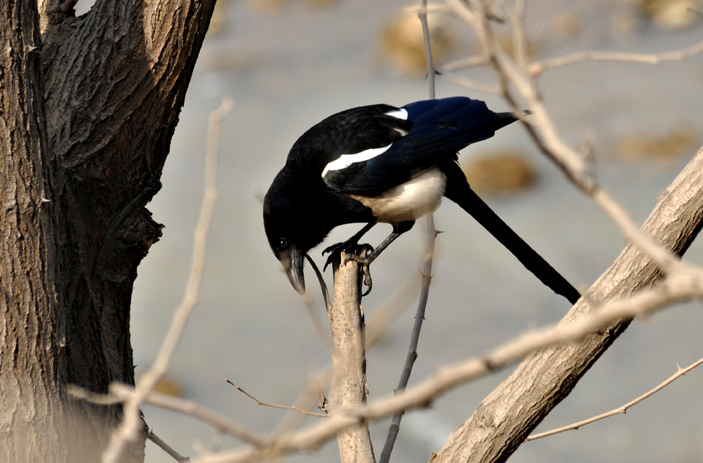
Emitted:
<point x="87" y="109"/>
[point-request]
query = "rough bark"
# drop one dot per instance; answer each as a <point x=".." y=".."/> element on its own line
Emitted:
<point x="506" y="417"/>
<point x="88" y="107"/>
<point x="349" y="360"/>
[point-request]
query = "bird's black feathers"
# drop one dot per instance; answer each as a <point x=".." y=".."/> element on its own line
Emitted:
<point x="382" y="163"/>
<point x="436" y="130"/>
<point x="459" y="191"/>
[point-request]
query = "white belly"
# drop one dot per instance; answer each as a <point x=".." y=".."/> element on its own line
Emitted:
<point x="408" y="201"/>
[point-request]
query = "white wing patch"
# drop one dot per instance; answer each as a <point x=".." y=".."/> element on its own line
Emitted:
<point x="398" y="114"/>
<point x="347" y="160"/>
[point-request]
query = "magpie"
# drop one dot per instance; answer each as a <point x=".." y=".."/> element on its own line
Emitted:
<point x="385" y="164"/>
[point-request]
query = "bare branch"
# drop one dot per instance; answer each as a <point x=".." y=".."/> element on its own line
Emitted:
<point x="543" y="131"/>
<point x="472" y="61"/>
<point x="414" y="337"/>
<point x="128" y="428"/>
<point x="266" y="404"/>
<point x="124" y="392"/>
<point x="472" y="84"/>
<point x="426" y="268"/>
<point x="539" y="67"/>
<point x="349" y="390"/>
<point x="445" y="378"/>
<point x="166" y="448"/>
<point x="379" y="321"/>
<point x="519" y="37"/>
<point x="622" y="409"/>
<point x="666" y="260"/>
<point x="422" y="16"/>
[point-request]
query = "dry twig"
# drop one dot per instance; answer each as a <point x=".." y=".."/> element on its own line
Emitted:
<point x="539" y="67"/>
<point x="622" y="409"/>
<point x="266" y="404"/>
<point x="166" y="448"/>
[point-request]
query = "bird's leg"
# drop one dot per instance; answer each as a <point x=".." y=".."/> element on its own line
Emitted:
<point x="339" y="247"/>
<point x="366" y="260"/>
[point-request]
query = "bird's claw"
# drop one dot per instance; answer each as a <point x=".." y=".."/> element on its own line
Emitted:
<point x="355" y="253"/>
<point x="334" y="251"/>
<point x="361" y="259"/>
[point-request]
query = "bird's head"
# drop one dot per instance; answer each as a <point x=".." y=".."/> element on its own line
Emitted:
<point x="282" y="235"/>
<point x="293" y="226"/>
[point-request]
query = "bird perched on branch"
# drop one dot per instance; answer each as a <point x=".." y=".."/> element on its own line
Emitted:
<point x="385" y="164"/>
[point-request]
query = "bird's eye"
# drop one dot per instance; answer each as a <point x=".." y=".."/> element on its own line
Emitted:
<point x="282" y="242"/>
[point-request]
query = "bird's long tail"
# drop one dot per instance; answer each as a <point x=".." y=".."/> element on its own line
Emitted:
<point x="459" y="191"/>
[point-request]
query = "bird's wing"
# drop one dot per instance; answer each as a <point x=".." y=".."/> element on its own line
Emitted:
<point x="426" y="133"/>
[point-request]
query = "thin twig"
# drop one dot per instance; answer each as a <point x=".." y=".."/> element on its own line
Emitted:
<point x="426" y="271"/>
<point x="472" y="61"/>
<point x="519" y="36"/>
<point x="92" y="397"/>
<point x="539" y="67"/>
<point x="379" y="321"/>
<point x="665" y="260"/>
<point x="472" y="84"/>
<point x="622" y="409"/>
<point x="166" y="448"/>
<point x="422" y="16"/>
<point x="128" y="428"/>
<point x="266" y="404"/>
<point x="414" y="337"/>
<point x="312" y="395"/>
<point x="193" y="410"/>
<point x="120" y="393"/>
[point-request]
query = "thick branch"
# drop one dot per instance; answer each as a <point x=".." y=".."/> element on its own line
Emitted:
<point x="505" y="418"/>
<point x="349" y="360"/>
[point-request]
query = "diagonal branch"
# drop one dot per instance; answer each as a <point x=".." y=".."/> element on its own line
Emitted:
<point x="282" y="407"/>
<point x="507" y="416"/>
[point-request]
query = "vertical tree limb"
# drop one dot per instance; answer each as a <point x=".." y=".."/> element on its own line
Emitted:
<point x="349" y="389"/>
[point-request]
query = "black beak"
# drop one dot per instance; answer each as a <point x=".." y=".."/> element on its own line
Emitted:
<point x="292" y="260"/>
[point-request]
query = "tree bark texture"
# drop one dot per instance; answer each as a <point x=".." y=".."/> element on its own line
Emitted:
<point x="506" y="417"/>
<point x="349" y="389"/>
<point x="88" y="106"/>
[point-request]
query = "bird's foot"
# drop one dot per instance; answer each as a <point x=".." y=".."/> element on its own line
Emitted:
<point x="356" y="253"/>
<point x="364" y="256"/>
<point x="334" y="252"/>
<point x="350" y="246"/>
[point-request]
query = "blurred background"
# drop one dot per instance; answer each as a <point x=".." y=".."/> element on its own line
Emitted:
<point x="288" y="64"/>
